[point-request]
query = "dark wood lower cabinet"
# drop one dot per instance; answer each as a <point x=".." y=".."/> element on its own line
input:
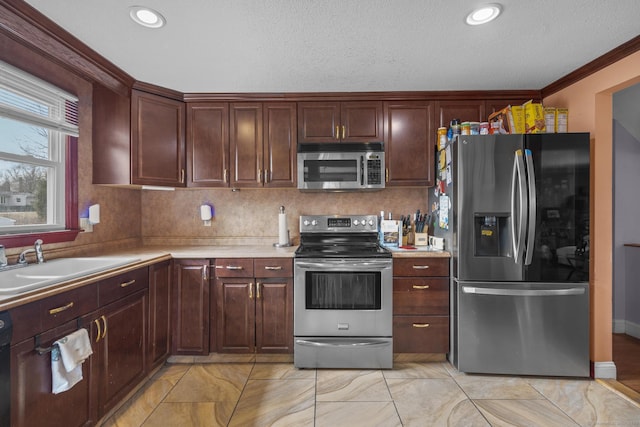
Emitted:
<point x="254" y="305"/>
<point x="159" y="313"/>
<point x="118" y="331"/>
<point x="32" y="403"/>
<point x="190" y="307"/>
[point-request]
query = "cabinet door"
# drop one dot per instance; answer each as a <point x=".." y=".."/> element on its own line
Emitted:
<point x="32" y="403"/>
<point x="280" y="144"/>
<point x="236" y="315"/>
<point x="318" y="121"/>
<point x="466" y="111"/>
<point x="208" y="144"/>
<point x="409" y="141"/>
<point x="190" y="312"/>
<point x="159" y="313"/>
<point x="157" y="140"/>
<point x="274" y="315"/>
<point x="361" y="121"/>
<point x="245" y="144"/>
<point x="121" y="332"/>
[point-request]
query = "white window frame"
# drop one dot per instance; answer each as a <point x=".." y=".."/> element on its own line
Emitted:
<point x="61" y="122"/>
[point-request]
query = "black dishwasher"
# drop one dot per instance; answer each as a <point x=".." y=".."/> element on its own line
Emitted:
<point x="5" y="374"/>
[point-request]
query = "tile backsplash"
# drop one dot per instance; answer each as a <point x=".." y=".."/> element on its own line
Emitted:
<point x="174" y="217"/>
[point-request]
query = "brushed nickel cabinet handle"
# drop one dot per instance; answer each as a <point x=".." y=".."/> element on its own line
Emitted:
<point x="97" y="322"/>
<point x="125" y="284"/>
<point x="273" y="267"/>
<point x="337" y="132"/>
<point x="251" y="290"/>
<point x="225" y="175"/>
<point x="420" y="325"/>
<point x="343" y="132"/>
<point x="61" y="309"/>
<point x="420" y="267"/>
<point x="420" y="286"/>
<point x="386" y="174"/>
<point x="260" y="176"/>
<point x="257" y="290"/>
<point x="104" y="330"/>
<point x="182" y="176"/>
<point x="234" y="267"/>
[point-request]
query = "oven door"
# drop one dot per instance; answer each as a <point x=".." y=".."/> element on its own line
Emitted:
<point x="344" y="297"/>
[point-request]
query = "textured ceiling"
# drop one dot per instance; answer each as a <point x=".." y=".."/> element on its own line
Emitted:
<point x="348" y="45"/>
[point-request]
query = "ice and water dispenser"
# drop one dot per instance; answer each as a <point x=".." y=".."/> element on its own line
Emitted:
<point x="491" y="235"/>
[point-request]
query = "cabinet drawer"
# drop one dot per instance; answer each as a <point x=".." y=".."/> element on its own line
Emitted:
<point x="273" y="267"/>
<point x="421" y="267"/>
<point x="31" y="319"/>
<point x="122" y="285"/>
<point x="415" y="296"/>
<point x="420" y="334"/>
<point x="234" y="267"/>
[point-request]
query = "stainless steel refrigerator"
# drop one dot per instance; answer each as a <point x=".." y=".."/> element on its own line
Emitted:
<point x="518" y="231"/>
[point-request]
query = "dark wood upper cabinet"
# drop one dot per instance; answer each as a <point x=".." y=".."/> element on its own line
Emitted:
<point x="357" y="121"/>
<point x="280" y="144"/>
<point x="245" y="144"/>
<point x="466" y="111"/>
<point x="409" y="143"/>
<point x="208" y="144"/>
<point x="157" y="140"/>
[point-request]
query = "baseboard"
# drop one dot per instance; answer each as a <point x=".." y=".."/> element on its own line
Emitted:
<point x="619" y="326"/>
<point x="632" y="329"/>
<point x="604" y="370"/>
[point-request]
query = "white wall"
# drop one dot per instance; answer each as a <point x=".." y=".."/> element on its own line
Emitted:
<point x="626" y="159"/>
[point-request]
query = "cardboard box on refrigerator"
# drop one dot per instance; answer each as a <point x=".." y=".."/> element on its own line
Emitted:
<point x="533" y="117"/>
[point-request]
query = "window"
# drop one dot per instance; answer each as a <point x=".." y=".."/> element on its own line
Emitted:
<point x="38" y="128"/>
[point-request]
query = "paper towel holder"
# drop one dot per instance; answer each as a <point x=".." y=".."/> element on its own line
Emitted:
<point x="279" y="243"/>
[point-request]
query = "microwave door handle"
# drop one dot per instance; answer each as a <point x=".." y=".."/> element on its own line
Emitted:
<point x="531" y="185"/>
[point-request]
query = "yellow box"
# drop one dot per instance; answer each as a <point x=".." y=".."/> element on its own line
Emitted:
<point x="518" y="118"/>
<point x="533" y="117"/>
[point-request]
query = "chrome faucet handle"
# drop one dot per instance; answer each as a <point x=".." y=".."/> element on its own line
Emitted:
<point x="38" y="248"/>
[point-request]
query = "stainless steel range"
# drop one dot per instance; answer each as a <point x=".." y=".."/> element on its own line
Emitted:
<point x="342" y="294"/>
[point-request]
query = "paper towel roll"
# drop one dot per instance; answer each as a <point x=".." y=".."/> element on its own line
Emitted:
<point x="283" y="232"/>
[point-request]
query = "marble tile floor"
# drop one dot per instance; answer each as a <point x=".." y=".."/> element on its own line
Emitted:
<point x="248" y="393"/>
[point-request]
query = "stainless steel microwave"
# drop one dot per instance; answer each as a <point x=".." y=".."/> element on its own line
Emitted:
<point x="341" y="166"/>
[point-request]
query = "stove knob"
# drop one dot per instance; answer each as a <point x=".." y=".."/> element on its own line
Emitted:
<point x="314" y="222"/>
<point x="363" y="222"/>
<point x="371" y="222"/>
<point x="356" y="222"/>
<point x="306" y="222"/>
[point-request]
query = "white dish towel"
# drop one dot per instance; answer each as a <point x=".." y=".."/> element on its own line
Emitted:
<point x="67" y="355"/>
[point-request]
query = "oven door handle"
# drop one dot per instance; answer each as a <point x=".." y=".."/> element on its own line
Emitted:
<point x="343" y="343"/>
<point x="357" y="266"/>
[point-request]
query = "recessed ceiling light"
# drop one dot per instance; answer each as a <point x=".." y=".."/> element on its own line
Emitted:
<point x="146" y="17"/>
<point x="484" y="14"/>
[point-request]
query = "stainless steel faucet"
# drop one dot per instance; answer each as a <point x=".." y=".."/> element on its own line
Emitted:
<point x="37" y="248"/>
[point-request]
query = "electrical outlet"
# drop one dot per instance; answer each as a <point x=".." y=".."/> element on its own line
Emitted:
<point x="86" y="226"/>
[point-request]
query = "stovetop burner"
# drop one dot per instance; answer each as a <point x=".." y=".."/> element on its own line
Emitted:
<point x="339" y="236"/>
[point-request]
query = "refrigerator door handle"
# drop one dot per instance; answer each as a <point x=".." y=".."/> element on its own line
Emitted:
<point x="518" y="184"/>
<point x="523" y="292"/>
<point x="531" y="185"/>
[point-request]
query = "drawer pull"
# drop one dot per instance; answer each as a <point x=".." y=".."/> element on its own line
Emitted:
<point x="420" y="325"/>
<point x="97" y="322"/>
<point x="61" y="309"/>
<point x="104" y="330"/>
<point x="125" y="284"/>
<point x="234" y="267"/>
<point x="258" y="296"/>
<point x="251" y="290"/>
<point x="420" y="286"/>
<point x="420" y="267"/>
<point x="273" y="267"/>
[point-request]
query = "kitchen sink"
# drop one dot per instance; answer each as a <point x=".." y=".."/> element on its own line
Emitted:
<point x="36" y="276"/>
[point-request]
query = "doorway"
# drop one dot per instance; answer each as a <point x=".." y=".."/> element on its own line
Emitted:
<point x="626" y="236"/>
